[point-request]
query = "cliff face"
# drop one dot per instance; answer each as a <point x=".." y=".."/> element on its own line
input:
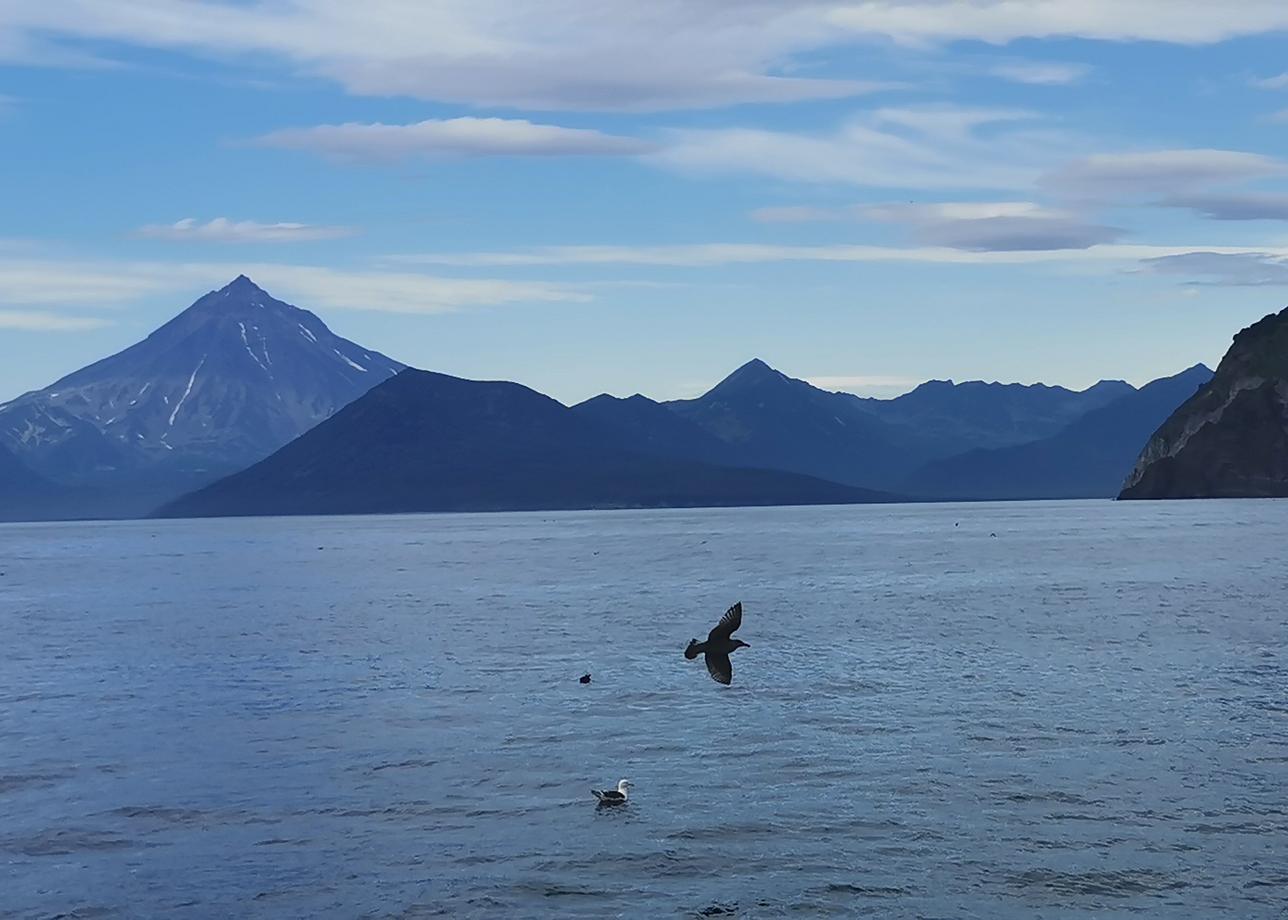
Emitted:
<point x="1229" y="440"/>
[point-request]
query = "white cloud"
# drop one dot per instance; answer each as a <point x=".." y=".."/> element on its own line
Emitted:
<point x="798" y="214"/>
<point x="1248" y="206"/>
<point x="919" y="148"/>
<point x="68" y="283"/>
<point x="559" y="54"/>
<point x="995" y="226"/>
<point x="1237" y="269"/>
<point x="933" y="212"/>
<point x="36" y="321"/>
<point x="1279" y="81"/>
<point x="223" y="230"/>
<point x="1040" y="73"/>
<point x="1136" y="176"/>
<point x="884" y="386"/>
<point x="702" y="255"/>
<point x="403" y="292"/>
<point x="1188" y="22"/>
<point x="982" y="226"/>
<point x="466" y="137"/>
<point x="586" y="54"/>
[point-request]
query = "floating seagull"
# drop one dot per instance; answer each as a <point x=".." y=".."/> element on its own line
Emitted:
<point x="613" y="796"/>
<point x="719" y="645"/>
<point x="584" y="679"/>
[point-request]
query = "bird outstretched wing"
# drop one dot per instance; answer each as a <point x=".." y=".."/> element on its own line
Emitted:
<point x="728" y="624"/>
<point x="719" y="667"/>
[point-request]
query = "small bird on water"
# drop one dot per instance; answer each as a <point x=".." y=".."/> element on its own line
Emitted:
<point x="613" y="796"/>
<point x="584" y="679"/>
<point x="720" y="643"/>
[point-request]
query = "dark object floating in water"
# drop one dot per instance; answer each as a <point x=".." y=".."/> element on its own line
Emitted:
<point x="613" y="796"/>
<point x="720" y="643"/>
<point x="584" y="679"/>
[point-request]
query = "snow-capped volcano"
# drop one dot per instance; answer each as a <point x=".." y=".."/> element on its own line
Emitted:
<point x="222" y="385"/>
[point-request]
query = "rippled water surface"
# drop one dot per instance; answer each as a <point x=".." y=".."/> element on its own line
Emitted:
<point x="380" y="717"/>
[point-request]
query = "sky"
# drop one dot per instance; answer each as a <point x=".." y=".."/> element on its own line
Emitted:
<point x="641" y="195"/>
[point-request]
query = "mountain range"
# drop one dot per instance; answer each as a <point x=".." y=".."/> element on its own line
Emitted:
<point x="228" y="381"/>
<point x="1089" y="458"/>
<point x="429" y="442"/>
<point x="244" y="404"/>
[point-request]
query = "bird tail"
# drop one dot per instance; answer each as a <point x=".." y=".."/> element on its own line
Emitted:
<point x="692" y="651"/>
<point x="597" y="794"/>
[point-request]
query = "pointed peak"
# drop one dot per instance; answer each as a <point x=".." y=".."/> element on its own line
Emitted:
<point x="1197" y="370"/>
<point x="755" y="369"/>
<point x="755" y="373"/>
<point x="241" y="284"/>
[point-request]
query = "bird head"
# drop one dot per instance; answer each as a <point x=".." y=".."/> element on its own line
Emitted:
<point x="623" y="785"/>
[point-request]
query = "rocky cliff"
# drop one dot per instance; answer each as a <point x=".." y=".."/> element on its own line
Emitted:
<point x="1230" y="439"/>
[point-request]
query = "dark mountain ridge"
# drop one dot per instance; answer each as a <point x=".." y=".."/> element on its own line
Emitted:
<point x="759" y="417"/>
<point x="430" y="442"/>
<point x="1086" y="459"/>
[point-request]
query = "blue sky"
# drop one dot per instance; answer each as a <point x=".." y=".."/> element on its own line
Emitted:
<point x="639" y="196"/>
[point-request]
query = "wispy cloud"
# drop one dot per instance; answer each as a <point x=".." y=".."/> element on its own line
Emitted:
<point x="54" y="283"/>
<point x="1140" y="176"/>
<point x="405" y="292"/>
<point x="223" y="230"/>
<point x="1003" y="226"/>
<point x="800" y="214"/>
<point x="36" y="321"/>
<point x="584" y="54"/>
<point x="462" y="137"/>
<point x="932" y="147"/>
<point x="867" y="384"/>
<point x="983" y="226"/>
<point x="1278" y="81"/>
<point x="563" y="54"/>
<point x="1040" y="73"/>
<point x="1249" y="206"/>
<point x="1188" y="22"/>
<point x="701" y="255"/>
<point x="1241" y="269"/>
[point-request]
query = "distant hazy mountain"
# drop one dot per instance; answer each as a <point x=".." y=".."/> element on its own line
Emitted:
<point x="760" y="417"/>
<point x="974" y="414"/>
<point x="638" y="423"/>
<point x="225" y="383"/>
<point x="429" y="442"/>
<point x="773" y="421"/>
<point x="1087" y="459"/>
<point x="1230" y="439"/>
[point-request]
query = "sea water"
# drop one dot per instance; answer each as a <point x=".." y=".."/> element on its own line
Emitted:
<point x="989" y="710"/>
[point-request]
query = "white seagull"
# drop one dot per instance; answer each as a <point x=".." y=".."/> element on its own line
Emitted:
<point x="613" y="796"/>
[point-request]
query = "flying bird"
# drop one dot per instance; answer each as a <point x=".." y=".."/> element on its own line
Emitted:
<point x="613" y="796"/>
<point x="720" y="643"/>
